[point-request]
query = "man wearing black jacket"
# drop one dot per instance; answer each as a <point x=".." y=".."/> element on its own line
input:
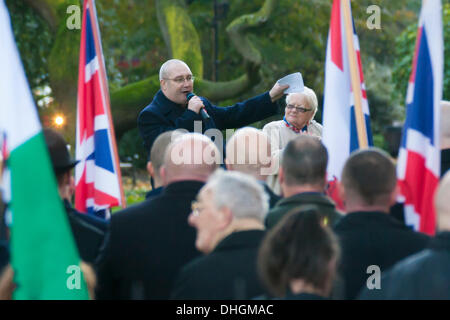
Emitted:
<point x="368" y="235"/>
<point x="228" y="216"/>
<point x="425" y="275"/>
<point x="170" y="109"/>
<point x="149" y="242"/>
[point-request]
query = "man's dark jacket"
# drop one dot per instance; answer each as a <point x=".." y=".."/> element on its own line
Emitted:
<point x="162" y="115"/>
<point x="87" y="236"/>
<point x="422" y="276"/>
<point x="147" y="245"/>
<point x="372" y="238"/>
<point x="228" y="272"/>
<point x="325" y="205"/>
<point x="153" y="193"/>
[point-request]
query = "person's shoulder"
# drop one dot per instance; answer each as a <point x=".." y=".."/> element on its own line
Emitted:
<point x="274" y="215"/>
<point x="196" y="268"/>
<point x="132" y="212"/>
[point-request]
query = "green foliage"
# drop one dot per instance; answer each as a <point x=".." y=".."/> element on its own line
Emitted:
<point x="405" y="44"/>
<point x="132" y="150"/>
<point x="293" y="39"/>
<point x="184" y="39"/>
<point x="133" y="45"/>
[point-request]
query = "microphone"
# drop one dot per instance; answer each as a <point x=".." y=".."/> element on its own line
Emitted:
<point x="203" y="113"/>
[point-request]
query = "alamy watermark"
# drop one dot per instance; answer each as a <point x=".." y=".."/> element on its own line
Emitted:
<point x="73" y="22"/>
<point x="74" y="278"/>
<point x="374" y="21"/>
<point x="374" y="281"/>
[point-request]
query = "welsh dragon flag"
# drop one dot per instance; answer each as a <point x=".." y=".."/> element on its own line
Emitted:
<point x="43" y="251"/>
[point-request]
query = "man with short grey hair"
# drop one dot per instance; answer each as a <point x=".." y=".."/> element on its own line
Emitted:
<point x="228" y="216"/>
<point x="170" y="108"/>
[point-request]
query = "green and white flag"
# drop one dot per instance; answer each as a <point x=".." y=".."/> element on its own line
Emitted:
<point x="43" y="251"/>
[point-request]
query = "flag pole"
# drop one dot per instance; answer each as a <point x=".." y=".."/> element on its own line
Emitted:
<point x="95" y="30"/>
<point x="354" y="74"/>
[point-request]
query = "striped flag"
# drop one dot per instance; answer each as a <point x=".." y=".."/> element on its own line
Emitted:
<point x="340" y="134"/>
<point x="418" y="166"/>
<point x="43" y="250"/>
<point x="97" y="175"/>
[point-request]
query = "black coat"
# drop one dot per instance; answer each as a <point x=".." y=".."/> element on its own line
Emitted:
<point x="228" y="272"/>
<point x="88" y="237"/>
<point x="372" y="238"/>
<point x="162" y="115"/>
<point x="147" y="245"/>
<point x="423" y="276"/>
<point x="285" y="205"/>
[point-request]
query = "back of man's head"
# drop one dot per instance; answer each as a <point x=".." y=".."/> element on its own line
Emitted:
<point x="304" y="162"/>
<point x="248" y="151"/>
<point x="369" y="178"/>
<point x="445" y="124"/>
<point x="442" y="203"/>
<point x="192" y="156"/>
<point x="239" y="192"/>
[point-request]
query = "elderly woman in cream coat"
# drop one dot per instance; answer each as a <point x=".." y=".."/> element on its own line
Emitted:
<point x="298" y="119"/>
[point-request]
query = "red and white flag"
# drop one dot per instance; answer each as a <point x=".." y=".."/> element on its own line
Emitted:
<point x="97" y="175"/>
<point x="340" y="134"/>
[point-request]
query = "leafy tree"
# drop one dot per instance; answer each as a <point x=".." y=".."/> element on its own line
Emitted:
<point x="405" y="44"/>
<point x="259" y="41"/>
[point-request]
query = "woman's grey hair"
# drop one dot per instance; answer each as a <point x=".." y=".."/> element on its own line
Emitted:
<point x="239" y="192"/>
<point x="310" y="97"/>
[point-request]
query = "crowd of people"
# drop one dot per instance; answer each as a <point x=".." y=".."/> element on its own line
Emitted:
<point x="259" y="224"/>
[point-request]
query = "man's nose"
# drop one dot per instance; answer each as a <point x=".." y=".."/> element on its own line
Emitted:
<point x="191" y="219"/>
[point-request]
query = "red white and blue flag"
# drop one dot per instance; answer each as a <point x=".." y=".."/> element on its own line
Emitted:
<point x="418" y="166"/>
<point x="340" y="134"/>
<point x="97" y="175"/>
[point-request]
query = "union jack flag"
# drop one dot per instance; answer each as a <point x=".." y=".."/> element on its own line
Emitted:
<point x="97" y="175"/>
<point x="418" y="166"/>
<point x="340" y="134"/>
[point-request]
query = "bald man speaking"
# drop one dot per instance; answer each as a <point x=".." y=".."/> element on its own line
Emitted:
<point x="173" y="107"/>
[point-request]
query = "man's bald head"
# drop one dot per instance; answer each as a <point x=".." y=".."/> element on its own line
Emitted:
<point x="249" y="151"/>
<point x="190" y="157"/>
<point x="165" y="70"/>
<point x="442" y="203"/>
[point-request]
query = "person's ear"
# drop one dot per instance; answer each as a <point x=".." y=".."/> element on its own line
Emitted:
<point x="281" y="176"/>
<point x="163" y="84"/>
<point x="225" y="218"/>
<point x="341" y="190"/>
<point x="150" y="169"/>
<point x="394" y="194"/>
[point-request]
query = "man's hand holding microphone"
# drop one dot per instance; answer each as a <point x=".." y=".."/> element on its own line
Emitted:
<point x="196" y="104"/>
